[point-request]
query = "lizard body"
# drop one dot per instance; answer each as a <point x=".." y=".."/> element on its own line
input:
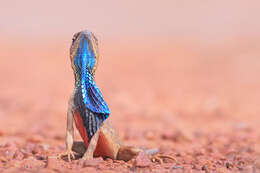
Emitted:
<point x="88" y="109"/>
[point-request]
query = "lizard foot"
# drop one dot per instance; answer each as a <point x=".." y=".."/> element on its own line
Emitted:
<point x="87" y="156"/>
<point x="68" y="153"/>
<point x="159" y="158"/>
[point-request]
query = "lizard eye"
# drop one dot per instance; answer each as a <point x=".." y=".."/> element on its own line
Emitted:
<point x="74" y="38"/>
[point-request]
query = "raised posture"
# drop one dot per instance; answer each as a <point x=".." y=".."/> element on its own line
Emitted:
<point x="88" y="108"/>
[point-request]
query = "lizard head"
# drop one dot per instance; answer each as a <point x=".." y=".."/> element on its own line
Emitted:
<point x="84" y="47"/>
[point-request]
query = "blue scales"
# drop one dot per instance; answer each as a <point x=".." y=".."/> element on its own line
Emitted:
<point x="85" y="61"/>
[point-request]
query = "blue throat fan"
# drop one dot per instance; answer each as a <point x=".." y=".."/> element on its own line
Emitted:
<point x="91" y="94"/>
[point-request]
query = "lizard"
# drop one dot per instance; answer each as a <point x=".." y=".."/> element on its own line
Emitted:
<point x="88" y="109"/>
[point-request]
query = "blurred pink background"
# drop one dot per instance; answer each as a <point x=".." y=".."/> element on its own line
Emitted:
<point x="207" y="21"/>
<point x="180" y="55"/>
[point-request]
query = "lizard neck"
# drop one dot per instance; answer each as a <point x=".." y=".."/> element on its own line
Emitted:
<point x="82" y="78"/>
<point x="84" y="64"/>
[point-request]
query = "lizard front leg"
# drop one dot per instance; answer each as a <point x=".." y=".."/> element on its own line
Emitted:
<point x="91" y="146"/>
<point x="69" y="132"/>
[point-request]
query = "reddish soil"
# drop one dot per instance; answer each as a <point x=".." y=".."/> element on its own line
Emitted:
<point x="195" y="103"/>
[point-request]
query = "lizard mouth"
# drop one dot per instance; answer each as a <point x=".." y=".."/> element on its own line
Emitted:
<point x="79" y="51"/>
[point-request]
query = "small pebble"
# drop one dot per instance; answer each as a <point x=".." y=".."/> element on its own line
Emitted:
<point x="53" y="163"/>
<point x="18" y="155"/>
<point x="35" y="139"/>
<point x="92" y="162"/>
<point x="222" y="170"/>
<point x="177" y="167"/>
<point x="142" y="160"/>
<point x="149" y="135"/>
<point x="257" y="164"/>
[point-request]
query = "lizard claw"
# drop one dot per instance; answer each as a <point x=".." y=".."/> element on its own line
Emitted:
<point x="68" y="153"/>
<point x="159" y="158"/>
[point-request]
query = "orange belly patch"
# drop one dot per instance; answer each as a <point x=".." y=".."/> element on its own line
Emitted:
<point x="103" y="147"/>
<point x="81" y="128"/>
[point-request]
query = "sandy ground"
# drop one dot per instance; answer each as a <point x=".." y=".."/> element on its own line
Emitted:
<point x="195" y="103"/>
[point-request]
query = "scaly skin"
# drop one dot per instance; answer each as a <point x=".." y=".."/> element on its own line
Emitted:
<point x="100" y="139"/>
<point x="105" y="142"/>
